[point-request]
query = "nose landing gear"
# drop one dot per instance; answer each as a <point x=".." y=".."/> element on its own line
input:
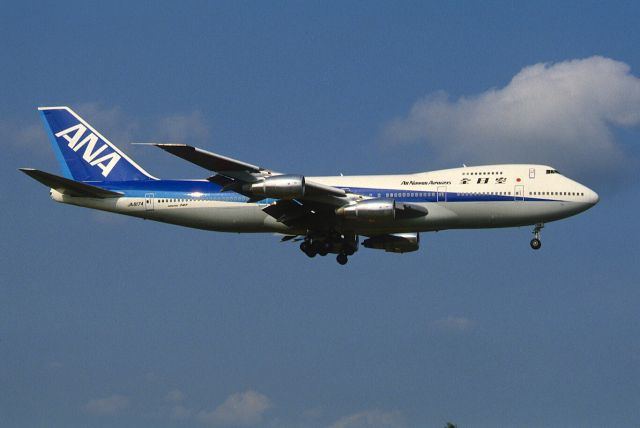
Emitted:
<point x="535" y="242"/>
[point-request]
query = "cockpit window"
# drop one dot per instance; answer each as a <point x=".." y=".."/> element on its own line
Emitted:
<point x="553" y="171"/>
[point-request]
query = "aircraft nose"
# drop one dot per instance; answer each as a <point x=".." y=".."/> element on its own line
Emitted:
<point x="592" y="197"/>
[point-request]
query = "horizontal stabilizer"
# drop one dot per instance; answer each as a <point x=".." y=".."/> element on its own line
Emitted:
<point x="69" y="187"/>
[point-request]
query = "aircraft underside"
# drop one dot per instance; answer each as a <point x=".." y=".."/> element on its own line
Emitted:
<point x="343" y="237"/>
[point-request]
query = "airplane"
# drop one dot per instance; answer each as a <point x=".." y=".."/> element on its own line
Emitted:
<point x="327" y="214"/>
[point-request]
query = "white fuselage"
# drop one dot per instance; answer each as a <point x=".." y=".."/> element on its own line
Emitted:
<point x="469" y="197"/>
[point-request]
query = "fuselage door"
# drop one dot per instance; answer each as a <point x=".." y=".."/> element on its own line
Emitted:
<point x="148" y="201"/>
<point x="518" y="193"/>
<point x="441" y="195"/>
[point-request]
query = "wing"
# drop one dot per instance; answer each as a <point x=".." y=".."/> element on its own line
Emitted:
<point x="234" y="174"/>
<point x="211" y="161"/>
<point x="298" y="201"/>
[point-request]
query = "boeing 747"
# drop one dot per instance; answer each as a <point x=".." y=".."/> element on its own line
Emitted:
<point x="327" y="214"/>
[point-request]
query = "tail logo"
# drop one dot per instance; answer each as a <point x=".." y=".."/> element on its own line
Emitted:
<point x="74" y="136"/>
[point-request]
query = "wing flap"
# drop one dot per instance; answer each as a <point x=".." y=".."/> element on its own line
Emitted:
<point x="317" y="189"/>
<point x="69" y="187"/>
<point x="287" y="212"/>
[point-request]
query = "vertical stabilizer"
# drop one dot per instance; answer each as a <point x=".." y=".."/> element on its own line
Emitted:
<point x="84" y="154"/>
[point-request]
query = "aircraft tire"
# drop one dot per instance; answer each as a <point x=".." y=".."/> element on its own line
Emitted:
<point x="535" y="244"/>
<point x="308" y="249"/>
<point x="342" y="259"/>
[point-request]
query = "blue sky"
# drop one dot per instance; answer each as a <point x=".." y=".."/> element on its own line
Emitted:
<point x="111" y="321"/>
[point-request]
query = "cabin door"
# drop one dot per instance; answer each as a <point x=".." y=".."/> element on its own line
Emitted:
<point x="518" y="193"/>
<point x="148" y="201"/>
<point x="441" y="195"/>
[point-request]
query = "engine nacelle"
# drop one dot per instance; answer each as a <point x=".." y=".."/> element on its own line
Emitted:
<point x="279" y="186"/>
<point x="370" y="209"/>
<point x="394" y="243"/>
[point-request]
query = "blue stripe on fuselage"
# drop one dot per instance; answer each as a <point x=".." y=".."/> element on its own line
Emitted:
<point x="174" y="189"/>
<point x="432" y="196"/>
<point x="183" y="189"/>
<point x="139" y="188"/>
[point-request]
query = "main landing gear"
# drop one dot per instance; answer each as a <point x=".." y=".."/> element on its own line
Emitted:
<point x="535" y="242"/>
<point x="342" y="245"/>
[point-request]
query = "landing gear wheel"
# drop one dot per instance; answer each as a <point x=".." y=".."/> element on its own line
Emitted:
<point x="536" y="244"/>
<point x="323" y="248"/>
<point x="308" y="249"/>
<point x="342" y="259"/>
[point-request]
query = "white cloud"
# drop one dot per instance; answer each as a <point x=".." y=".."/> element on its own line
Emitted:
<point x="453" y="324"/>
<point x="562" y="114"/>
<point x="107" y="406"/>
<point x="245" y="408"/>
<point x="370" y="419"/>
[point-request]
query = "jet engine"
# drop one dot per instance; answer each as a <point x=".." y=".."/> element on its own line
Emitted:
<point x="394" y="243"/>
<point x="370" y="209"/>
<point x="279" y="186"/>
